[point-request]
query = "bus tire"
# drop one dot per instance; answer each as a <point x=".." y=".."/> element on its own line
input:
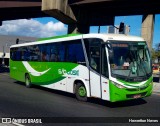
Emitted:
<point x="28" y="81"/>
<point x="80" y="92"/>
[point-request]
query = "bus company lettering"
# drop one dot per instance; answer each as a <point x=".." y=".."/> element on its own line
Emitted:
<point x="72" y="72"/>
<point x="20" y="121"/>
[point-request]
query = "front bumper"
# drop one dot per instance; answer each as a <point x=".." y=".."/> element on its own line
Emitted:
<point x="117" y="94"/>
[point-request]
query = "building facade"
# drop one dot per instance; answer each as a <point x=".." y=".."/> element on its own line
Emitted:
<point x="115" y="30"/>
<point x="5" y="43"/>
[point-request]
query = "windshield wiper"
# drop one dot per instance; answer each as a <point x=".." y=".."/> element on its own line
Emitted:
<point x="128" y="75"/>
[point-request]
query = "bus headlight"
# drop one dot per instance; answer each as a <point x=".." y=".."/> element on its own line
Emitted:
<point x="118" y="85"/>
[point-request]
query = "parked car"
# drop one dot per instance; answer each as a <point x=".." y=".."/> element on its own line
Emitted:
<point x="155" y="68"/>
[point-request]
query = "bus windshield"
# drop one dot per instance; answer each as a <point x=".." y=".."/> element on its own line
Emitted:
<point x="130" y="61"/>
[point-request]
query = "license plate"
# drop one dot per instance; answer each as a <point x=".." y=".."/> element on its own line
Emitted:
<point x="137" y="96"/>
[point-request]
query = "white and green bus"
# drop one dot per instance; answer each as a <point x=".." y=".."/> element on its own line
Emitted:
<point x="106" y="66"/>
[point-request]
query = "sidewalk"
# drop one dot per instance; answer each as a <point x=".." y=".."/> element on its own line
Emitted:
<point x="156" y="87"/>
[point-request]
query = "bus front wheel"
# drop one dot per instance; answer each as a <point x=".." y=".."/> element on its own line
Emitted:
<point x="28" y="81"/>
<point x="80" y="91"/>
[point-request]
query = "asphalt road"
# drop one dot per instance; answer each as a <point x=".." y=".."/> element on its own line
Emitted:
<point x="18" y="101"/>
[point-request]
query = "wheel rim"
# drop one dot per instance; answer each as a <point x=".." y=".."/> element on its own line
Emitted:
<point x="82" y="91"/>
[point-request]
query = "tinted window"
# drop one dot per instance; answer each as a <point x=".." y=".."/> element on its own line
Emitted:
<point x="68" y="51"/>
<point x="13" y="53"/>
<point x="45" y="52"/>
<point x="25" y="54"/>
<point x="57" y="52"/>
<point x="32" y="53"/>
<point x="75" y="52"/>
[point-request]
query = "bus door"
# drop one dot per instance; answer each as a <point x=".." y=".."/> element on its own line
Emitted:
<point x="104" y="75"/>
<point x="99" y="82"/>
<point x="95" y="78"/>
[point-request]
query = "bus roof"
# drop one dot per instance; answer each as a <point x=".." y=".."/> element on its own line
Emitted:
<point x="108" y="36"/>
<point x="105" y="37"/>
<point x="121" y="37"/>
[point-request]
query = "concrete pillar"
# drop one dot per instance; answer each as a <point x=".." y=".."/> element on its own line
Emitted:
<point x="78" y="28"/>
<point x="59" y="9"/>
<point x="148" y="29"/>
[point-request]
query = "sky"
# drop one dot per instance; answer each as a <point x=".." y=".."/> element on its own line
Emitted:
<point x="48" y="26"/>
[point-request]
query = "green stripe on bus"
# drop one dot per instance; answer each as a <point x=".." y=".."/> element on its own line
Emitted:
<point x="56" y="37"/>
<point x="50" y="82"/>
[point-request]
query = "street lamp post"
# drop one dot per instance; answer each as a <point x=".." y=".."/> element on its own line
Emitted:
<point x="3" y="56"/>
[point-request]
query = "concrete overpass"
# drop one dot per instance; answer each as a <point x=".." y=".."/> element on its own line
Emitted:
<point x="20" y="9"/>
<point x="81" y="14"/>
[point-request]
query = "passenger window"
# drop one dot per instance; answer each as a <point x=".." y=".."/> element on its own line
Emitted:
<point x="75" y="52"/>
<point x="45" y="52"/>
<point x="57" y="52"/>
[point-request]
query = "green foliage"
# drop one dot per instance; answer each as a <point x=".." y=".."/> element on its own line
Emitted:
<point x="155" y="52"/>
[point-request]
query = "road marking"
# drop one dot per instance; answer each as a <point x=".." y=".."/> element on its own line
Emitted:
<point x="5" y="74"/>
<point x="17" y="124"/>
